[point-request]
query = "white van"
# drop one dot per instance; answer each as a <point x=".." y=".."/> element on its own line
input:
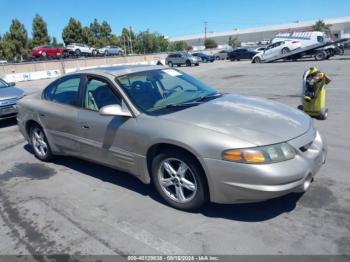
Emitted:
<point x="305" y="38"/>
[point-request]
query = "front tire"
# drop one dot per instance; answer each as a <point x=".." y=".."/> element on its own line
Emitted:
<point x="180" y="180"/>
<point x="257" y="60"/>
<point x="44" y="55"/>
<point x="170" y="64"/>
<point x="188" y="63"/>
<point x="41" y="147"/>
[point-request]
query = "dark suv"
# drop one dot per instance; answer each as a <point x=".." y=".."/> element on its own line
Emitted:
<point x="241" y="53"/>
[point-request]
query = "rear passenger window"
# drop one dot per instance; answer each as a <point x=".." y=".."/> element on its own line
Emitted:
<point x="64" y="92"/>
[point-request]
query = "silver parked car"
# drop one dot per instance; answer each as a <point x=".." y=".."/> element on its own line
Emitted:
<point x="181" y="58"/>
<point x="9" y="95"/>
<point x="111" y="50"/>
<point x="165" y="127"/>
<point x="222" y="55"/>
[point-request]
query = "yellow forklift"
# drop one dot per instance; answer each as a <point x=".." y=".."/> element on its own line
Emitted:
<point x="314" y="93"/>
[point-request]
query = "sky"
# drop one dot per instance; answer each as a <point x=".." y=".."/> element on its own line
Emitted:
<point x="170" y="18"/>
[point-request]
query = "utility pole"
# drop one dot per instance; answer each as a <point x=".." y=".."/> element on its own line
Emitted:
<point x="205" y="30"/>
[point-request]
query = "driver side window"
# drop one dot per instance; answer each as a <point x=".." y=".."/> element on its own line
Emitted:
<point x="99" y="93"/>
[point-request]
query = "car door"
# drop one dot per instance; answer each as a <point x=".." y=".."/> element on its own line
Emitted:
<point x="269" y="52"/>
<point x="243" y="54"/>
<point x="87" y="49"/>
<point x="247" y="54"/>
<point x="113" y="50"/>
<point x="48" y="50"/>
<point x="277" y="50"/>
<point x="59" y="111"/>
<point x="176" y="58"/>
<point x="105" y="139"/>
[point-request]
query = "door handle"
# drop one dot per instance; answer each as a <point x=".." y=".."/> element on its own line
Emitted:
<point x="42" y="115"/>
<point x="85" y="126"/>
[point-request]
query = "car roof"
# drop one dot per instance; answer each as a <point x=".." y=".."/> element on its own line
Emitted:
<point x="122" y="69"/>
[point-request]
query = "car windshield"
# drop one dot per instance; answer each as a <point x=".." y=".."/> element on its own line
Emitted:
<point x="164" y="89"/>
<point x="3" y="84"/>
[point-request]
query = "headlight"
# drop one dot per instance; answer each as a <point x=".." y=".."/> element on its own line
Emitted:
<point x="261" y="155"/>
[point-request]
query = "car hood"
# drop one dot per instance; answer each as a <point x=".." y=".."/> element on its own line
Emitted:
<point x="255" y="120"/>
<point x="10" y="92"/>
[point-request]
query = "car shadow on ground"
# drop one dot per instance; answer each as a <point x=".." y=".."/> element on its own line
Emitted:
<point x="8" y="122"/>
<point x="252" y="212"/>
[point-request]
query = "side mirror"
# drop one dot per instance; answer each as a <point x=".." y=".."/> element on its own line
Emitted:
<point x="114" y="110"/>
<point x="12" y="84"/>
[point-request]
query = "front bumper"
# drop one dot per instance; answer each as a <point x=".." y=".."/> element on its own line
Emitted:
<point x="8" y="111"/>
<point x="231" y="182"/>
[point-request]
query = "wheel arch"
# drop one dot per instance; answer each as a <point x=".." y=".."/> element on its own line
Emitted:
<point x="163" y="146"/>
<point x="29" y="124"/>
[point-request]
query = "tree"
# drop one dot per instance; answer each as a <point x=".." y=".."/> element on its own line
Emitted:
<point x="210" y="43"/>
<point x="321" y="26"/>
<point x="101" y="34"/>
<point x="40" y="34"/>
<point x="147" y="42"/>
<point x="55" y="43"/>
<point x="73" y="32"/>
<point x="15" y="42"/>
<point x="177" y="46"/>
<point x="105" y="34"/>
<point x="163" y="43"/>
<point x="233" y="42"/>
<point x="87" y="37"/>
<point x="127" y="39"/>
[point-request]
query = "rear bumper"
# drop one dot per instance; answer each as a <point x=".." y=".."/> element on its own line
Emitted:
<point x="231" y="182"/>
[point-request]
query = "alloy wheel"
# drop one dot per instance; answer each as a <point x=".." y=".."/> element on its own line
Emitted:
<point x="39" y="144"/>
<point x="177" y="180"/>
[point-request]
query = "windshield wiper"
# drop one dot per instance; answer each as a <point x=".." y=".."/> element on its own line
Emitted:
<point x="187" y="104"/>
<point x="209" y="96"/>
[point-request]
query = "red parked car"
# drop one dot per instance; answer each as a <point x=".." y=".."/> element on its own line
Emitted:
<point x="47" y="51"/>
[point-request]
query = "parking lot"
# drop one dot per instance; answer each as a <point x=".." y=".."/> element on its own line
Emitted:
<point x="72" y="206"/>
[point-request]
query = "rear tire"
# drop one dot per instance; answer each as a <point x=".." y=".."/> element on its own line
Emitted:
<point x="170" y="64"/>
<point x="77" y="52"/>
<point x="285" y="50"/>
<point x="186" y="190"/>
<point x="218" y="58"/>
<point x="320" y="55"/>
<point x="41" y="147"/>
<point x="188" y="63"/>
